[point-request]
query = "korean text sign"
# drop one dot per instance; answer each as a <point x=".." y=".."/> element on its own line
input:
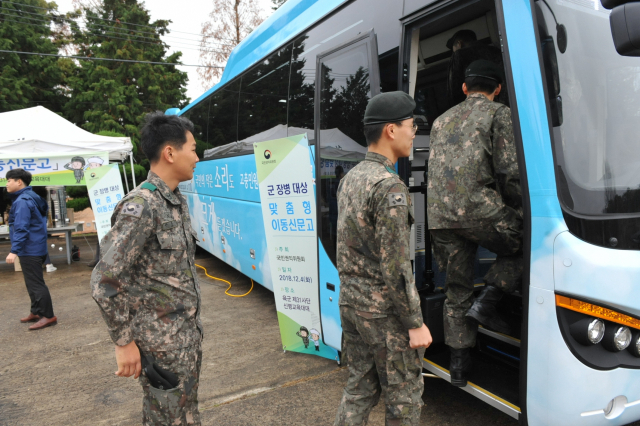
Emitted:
<point x="105" y="191"/>
<point x="288" y="204"/>
<point x="65" y="170"/>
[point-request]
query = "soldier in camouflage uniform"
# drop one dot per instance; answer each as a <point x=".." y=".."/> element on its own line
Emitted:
<point x="474" y="198"/>
<point x="145" y="282"/>
<point x="379" y="305"/>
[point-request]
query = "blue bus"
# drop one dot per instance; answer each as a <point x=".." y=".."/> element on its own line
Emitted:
<point x="573" y="86"/>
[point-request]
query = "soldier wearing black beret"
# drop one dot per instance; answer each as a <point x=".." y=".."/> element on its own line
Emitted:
<point x="379" y="305"/>
<point x="474" y="200"/>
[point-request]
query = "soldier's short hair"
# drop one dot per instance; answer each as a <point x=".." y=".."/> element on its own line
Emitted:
<point x="481" y="84"/>
<point x="373" y="132"/>
<point x="19" y="174"/>
<point x="160" y="130"/>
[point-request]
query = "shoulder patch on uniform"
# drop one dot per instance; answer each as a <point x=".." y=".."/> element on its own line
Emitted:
<point x="397" y="199"/>
<point x="148" y="185"/>
<point x="131" y="208"/>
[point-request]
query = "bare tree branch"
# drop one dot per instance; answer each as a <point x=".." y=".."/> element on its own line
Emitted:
<point x="230" y="22"/>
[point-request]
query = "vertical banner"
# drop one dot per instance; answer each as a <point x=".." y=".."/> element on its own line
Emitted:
<point x="105" y="190"/>
<point x="287" y="196"/>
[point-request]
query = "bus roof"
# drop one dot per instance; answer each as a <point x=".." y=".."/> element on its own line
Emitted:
<point x="293" y="17"/>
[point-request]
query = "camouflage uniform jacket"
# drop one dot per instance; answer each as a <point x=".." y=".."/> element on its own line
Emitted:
<point x="374" y="225"/>
<point x="145" y="283"/>
<point x="473" y="170"/>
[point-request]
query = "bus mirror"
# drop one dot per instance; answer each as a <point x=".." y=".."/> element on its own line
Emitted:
<point x="625" y="28"/>
<point x="610" y="4"/>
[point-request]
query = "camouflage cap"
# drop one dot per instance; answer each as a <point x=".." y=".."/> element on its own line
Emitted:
<point x="388" y="108"/>
<point x="485" y="69"/>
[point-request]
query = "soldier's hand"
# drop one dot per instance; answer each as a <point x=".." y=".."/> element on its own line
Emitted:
<point x="128" y="359"/>
<point x="420" y="337"/>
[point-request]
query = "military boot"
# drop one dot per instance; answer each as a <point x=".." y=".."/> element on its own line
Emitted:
<point x="484" y="310"/>
<point x="460" y="366"/>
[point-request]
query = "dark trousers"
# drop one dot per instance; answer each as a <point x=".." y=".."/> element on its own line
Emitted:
<point x="379" y="358"/>
<point x="455" y="251"/>
<point x="38" y="291"/>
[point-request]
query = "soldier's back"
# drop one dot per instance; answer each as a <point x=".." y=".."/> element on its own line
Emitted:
<point x="462" y="190"/>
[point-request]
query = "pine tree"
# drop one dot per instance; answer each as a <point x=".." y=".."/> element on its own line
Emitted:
<point x="277" y="4"/>
<point x="115" y="96"/>
<point x="31" y="80"/>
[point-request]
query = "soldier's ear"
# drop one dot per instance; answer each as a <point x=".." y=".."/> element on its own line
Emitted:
<point x="167" y="154"/>
<point x="464" y="89"/>
<point x="497" y="91"/>
<point x="389" y="131"/>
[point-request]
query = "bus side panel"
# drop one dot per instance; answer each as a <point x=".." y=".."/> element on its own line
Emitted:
<point x="233" y="177"/>
<point x="329" y="308"/>
<point x="561" y="390"/>
<point x="239" y="223"/>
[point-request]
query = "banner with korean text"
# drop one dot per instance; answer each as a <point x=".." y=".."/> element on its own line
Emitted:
<point x="54" y="170"/>
<point x="104" y="185"/>
<point x="287" y="196"/>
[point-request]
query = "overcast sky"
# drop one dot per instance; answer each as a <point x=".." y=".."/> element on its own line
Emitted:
<point x="187" y="17"/>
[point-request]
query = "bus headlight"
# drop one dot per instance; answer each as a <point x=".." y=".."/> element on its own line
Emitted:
<point x="634" y="347"/>
<point x="616" y="338"/>
<point x="588" y="331"/>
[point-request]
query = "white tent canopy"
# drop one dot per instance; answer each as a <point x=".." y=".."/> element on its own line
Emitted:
<point x="40" y="131"/>
<point x="334" y="144"/>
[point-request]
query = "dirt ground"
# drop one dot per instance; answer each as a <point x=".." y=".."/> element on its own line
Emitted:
<point x="63" y="375"/>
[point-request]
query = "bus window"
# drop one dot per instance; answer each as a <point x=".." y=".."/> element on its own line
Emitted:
<point x="594" y="98"/>
<point x="344" y="90"/>
<point x="263" y="95"/>
<point x="223" y="115"/>
<point x="301" y="87"/>
<point x="199" y="116"/>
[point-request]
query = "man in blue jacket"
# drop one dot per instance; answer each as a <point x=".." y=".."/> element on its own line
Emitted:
<point x="28" y="233"/>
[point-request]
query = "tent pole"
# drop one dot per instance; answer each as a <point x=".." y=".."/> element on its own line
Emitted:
<point x="124" y="172"/>
<point x="133" y="175"/>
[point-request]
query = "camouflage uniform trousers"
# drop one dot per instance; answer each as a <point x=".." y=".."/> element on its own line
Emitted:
<point x="455" y="252"/>
<point x="378" y="356"/>
<point x="178" y="406"/>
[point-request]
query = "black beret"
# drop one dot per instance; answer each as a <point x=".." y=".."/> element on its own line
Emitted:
<point x="486" y="69"/>
<point x="389" y="107"/>
<point x="467" y="35"/>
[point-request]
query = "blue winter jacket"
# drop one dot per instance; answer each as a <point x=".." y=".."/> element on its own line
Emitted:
<point x="28" y="223"/>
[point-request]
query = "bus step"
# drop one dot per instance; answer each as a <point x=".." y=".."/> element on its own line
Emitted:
<point x="492" y="382"/>
<point x="499" y="336"/>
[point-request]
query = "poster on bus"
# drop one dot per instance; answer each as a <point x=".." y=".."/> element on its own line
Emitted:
<point x="104" y="186"/>
<point x="287" y="197"/>
<point x="54" y="170"/>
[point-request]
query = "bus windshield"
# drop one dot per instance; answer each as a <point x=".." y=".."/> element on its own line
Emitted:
<point x="596" y="143"/>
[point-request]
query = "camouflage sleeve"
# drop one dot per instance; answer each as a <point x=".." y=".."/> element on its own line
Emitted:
<point x="392" y="233"/>
<point x="505" y="161"/>
<point x="119" y="250"/>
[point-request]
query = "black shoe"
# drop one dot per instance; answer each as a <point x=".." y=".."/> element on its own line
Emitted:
<point x="92" y="264"/>
<point x="484" y="310"/>
<point x="460" y="366"/>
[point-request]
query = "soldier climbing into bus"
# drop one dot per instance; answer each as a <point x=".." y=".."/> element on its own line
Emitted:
<point x="475" y="199"/>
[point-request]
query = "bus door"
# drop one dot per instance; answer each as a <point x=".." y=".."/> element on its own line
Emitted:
<point x="433" y="74"/>
<point x="347" y="76"/>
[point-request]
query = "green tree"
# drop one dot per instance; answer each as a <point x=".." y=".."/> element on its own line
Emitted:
<point x="115" y="96"/>
<point x="30" y="80"/>
<point x="277" y="4"/>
